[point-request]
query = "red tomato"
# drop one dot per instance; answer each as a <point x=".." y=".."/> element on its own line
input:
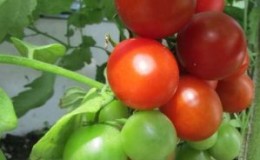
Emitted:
<point x="153" y="18"/>
<point x="195" y="109"/>
<point x="211" y="46"/>
<point x="236" y="94"/>
<point x="210" y="5"/>
<point x="242" y="69"/>
<point x="142" y="73"/>
<point x="212" y="83"/>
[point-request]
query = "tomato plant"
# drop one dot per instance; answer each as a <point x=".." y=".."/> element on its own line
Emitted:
<point x="212" y="5"/>
<point x="236" y="94"/>
<point x="185" y="152"/>
<point x="228" y="143"/>
<point x="204" y="144"/>
<point x="97" y="142"/>
<point x="142" y="73"/>
<point x="114" y="110"/>
<point x="153" y="18"/>
<point x="242" y="69"/>
<point x="212" y="45"/>
<point x="195" y="109"/>
<point x="148" y="135"/>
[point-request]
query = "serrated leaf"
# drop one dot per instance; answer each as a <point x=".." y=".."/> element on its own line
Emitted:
<point x="51" y="146"/>
<point x="52" y="6"/>
<point x="14" y="16"/>
<point x="90" y="13"/>
<point x="8" y="119"/>
<point x="47" y="53"/>
<point x="77" y="59"/>
<point x="38" y="92"/>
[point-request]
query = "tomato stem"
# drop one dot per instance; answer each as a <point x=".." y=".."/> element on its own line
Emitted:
<point x="38" y="65"/>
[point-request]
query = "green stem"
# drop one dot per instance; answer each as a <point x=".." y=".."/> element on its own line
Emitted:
<point x="35" y="64"/>
<point x="253" y="139"/>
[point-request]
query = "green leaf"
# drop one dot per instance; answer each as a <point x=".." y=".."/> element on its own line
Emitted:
<point x="2" y="156"/>
<point x="38" y="92"/>
<point x="79" y="56"/>
<point x="52" y="6"/>
<point x="236" y="13"/>
<point x="8" y="119"/>
<point x="109" y="9"/>
<point x="15" y="16"/>
<point x="100" y="73"/>
<point x="51" y="146"/>
<point x="47" y="53"/>
<point x="72" y="98"/>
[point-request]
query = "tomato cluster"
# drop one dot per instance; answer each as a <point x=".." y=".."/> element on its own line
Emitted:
<point x="179" y="93"/>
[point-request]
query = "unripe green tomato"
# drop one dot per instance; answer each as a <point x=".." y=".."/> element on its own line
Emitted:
<point x="148" y="135"/>
<point x="204" y="144"/>
<point x="228" y="144"/>
<point x="96" y="142"/>
<point x="114" y="110"/>
<point x="185" y="152"/>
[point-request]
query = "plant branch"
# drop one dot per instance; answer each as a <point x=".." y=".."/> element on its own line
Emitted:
<point x="36" y="30"/>
<point x="38" y="65"/>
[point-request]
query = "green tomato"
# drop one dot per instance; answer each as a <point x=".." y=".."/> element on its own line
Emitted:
<point x="97" y="142"/>
<point x="148" y="135"/>
<point x="228" y="143"/>
<point x="185" y="152"/>
<point x="114" y="110"/>
<point x="204" y="144"/>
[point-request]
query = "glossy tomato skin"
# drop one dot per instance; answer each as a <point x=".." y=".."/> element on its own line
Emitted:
<point x="153" y="18"/>
<point x="142" y="73"/>
<point x="236" y="94"/>
<point x="114" y="110"/>
<point x="212" y="46"/>
<point x="97" y="142"/>
<point x="242" y="69"/>
<point x="228" y="144"/>
<point x="212" y="5"/>
<point x="195" y="109"/>
<point x="204" y="144"/>
<point x="148" y="135"/>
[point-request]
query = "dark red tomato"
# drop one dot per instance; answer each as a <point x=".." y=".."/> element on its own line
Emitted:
<point x="211" y="46"/>
<point x="236" y="94"/>
<point x="210" y="5"/>
<point x="155" y="18"/>
<point x="142" y="73"/>
<point x="195" y="109"/>
<point x="242" y="69"/>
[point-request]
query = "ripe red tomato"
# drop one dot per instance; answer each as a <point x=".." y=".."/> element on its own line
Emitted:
<point x="242" y="69"/>
<point x="236" y="94"/>
<point x="211" y="46"/>
<point x="210" y="5"/>
<point x="195" y="109"/>
<point x="153" y="18"/>
<point x="142" y="73"/>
